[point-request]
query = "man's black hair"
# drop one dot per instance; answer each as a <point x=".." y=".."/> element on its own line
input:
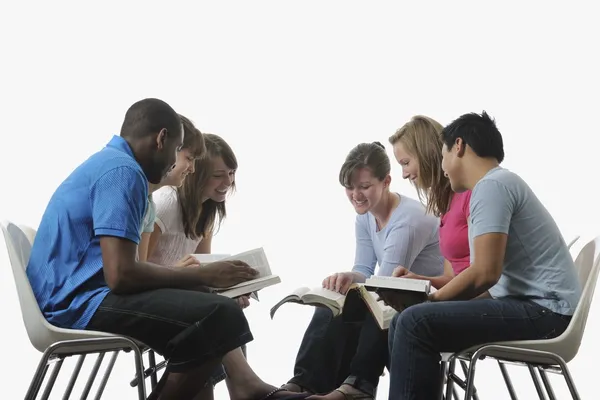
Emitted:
<point x="149" y="116"/>
<point x="479" y="131"/>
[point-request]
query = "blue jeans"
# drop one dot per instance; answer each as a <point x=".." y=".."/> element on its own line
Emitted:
<point x="334" y="352"/>
<point x="420" y="333"/>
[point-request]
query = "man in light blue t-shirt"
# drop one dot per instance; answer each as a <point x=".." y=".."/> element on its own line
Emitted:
<point x="522" y="283"/>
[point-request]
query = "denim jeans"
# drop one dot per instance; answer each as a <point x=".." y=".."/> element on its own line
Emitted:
<point x="334" y="352"/>
<point x="420" y="333"/>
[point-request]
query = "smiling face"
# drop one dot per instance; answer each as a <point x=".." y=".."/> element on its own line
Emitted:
<point x="220" y="182"/>
<point x="184" y="165"/>
<point x="365" y="190"/>
<point x="408" y="162"/>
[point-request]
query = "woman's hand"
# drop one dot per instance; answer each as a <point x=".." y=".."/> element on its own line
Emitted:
<point x="401" y="272"/>
<point x="243" y="301"/>
<point x="339" y="282"/>
<point x="187" y="261"/>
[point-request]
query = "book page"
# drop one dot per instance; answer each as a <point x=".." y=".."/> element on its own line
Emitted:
<point x="255" y="258"/>
<point x="327" y="294"/>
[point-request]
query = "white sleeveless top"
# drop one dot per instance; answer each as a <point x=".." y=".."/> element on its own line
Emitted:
<point x="173" y="245"/>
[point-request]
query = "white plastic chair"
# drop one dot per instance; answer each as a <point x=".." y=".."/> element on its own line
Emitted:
<point x="549" y="354"/>
<point x="56" y="343"/>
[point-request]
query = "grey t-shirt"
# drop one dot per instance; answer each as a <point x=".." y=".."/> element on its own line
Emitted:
<point x="409" y="239"/>
<point x="537" y="262"/>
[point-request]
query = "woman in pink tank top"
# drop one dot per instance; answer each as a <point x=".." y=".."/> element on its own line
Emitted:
<point x="418" y="149"/>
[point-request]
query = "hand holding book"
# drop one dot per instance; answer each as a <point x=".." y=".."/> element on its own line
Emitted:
<point x="401" y="272"/>
<point x="224" y="274"/>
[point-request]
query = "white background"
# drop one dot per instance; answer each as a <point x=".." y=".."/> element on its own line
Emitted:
<point x="293" y="87"/>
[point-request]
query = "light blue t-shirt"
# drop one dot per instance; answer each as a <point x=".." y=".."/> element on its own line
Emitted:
<point x="107" y="195"/>
<point x="537" y="262"/>
<point x="149" y="217"/>
<point x="409" y="239"/>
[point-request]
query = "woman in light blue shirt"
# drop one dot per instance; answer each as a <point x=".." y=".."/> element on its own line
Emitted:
<point x="391" y="230"/>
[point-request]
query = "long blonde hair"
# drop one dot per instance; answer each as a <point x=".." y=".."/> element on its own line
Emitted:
<point x="421" y="138"/>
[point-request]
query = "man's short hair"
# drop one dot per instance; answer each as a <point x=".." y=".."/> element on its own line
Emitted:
<point x="479" y="131"/>
<point x="149" y="116"/>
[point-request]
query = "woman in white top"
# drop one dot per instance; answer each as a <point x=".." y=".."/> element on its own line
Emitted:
<point x="188" y="215"/>
<point x="186" y="218"/>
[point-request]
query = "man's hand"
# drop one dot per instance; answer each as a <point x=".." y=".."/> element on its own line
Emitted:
<point x="187" y="261"/>
<point x="243" y="301"/>
<point x="339" y="282"/>
<point x="223" y="274"/>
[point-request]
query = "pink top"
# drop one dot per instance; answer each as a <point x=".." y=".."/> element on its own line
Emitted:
<point x="454" y="232"/>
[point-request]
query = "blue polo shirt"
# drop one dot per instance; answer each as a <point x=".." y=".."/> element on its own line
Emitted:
<point x="107" y="195"/>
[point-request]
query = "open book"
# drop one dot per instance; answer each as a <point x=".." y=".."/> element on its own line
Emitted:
<point x="414" y="291"/>
<point x="351" y="306"/>
<point x="257" y="259"/>
<point x="317" y="296"/>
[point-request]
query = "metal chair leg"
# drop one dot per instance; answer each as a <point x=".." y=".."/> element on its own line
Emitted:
<point x="463" y="365"/>
<point x="547" y="385"/>
<point x="38" y="377"/>
<point x="536" y="383"/>
<point x="74" y="376"/>
<point x="470" y="378"/>
<point x="449" y="374"/>
<point x="508" y="382"/>
<point x="92" y="377"/>
<point x="152" y="364"/>
<point x="568" y="378"/>
<point x="443" y="374"/>
<point x="107" y="373"/>
<point x="52" y="379"/>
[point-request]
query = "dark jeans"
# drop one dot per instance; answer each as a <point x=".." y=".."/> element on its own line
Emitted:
<point x="187" y="327"/>
<point x="334" y="352"/>
<point x="420" y="333"/>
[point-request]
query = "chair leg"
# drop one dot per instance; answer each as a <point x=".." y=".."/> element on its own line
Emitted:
<point x="568" y="379"/>
<point x="463" y="365"/>
<point x="152" y="364"/>
<point x="74" y="376"/>
<point x="449" y="378"/>
<point x="107" y="373"/>
<point x="92" y="377"/>
<point x="443" y="374"/>
<point x="547" y="384"/>
<point x="470" y="377"/>
<point x="52" y="379"/>
<point x="536" y="382"/>
<point x="38" y="377"/>
<point x="508" y="382"/>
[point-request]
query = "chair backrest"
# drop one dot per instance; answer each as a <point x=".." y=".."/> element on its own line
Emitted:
<point x="18" y="245"/>
<point x="29" y="233"/>
<point x="572" y="242"/>
<point x="587" y="264"/>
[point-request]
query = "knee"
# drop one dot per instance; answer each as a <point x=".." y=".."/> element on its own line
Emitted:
<point x="411" y="321"/>
<point x="228" y="310"/>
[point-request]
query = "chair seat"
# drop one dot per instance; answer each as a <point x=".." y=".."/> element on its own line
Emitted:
<point x="524" y="351"/>
<point x="56" y="335"/>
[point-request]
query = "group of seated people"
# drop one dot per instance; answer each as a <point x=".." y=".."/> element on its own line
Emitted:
<point x="112" y="254"/>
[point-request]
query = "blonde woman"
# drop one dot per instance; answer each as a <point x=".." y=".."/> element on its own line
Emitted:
<point x="418" y="149"/>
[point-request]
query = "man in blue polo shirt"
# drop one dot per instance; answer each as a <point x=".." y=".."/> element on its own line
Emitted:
<point x="84" y="270"/>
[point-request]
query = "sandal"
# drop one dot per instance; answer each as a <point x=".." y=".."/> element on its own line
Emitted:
<point x="296" y="396"/>
<point x="354" y="396"/>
